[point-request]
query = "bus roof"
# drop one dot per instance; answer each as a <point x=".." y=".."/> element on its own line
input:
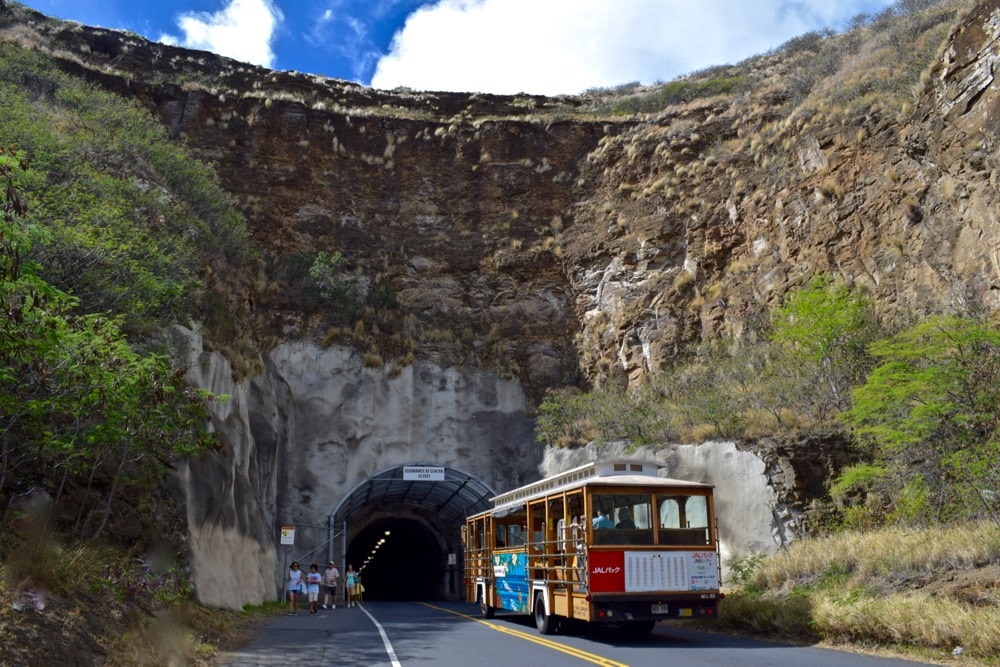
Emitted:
<point x="615" y="472"/>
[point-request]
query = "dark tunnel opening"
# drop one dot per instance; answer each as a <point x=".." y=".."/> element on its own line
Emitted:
<point x="408" y="565"/>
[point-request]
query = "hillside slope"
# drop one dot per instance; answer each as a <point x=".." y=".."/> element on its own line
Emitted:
<point x="558" y="240"/>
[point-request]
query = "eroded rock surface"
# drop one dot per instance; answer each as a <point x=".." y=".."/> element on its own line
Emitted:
<point x="315" y="423"/>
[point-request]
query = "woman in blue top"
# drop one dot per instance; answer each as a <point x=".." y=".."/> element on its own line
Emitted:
<point x="350" y="581"/>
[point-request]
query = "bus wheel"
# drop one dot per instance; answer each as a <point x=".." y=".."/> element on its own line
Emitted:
<point x="484" y="607"/>
<point x="546" y="623"/>
<point x="638" y="628"/>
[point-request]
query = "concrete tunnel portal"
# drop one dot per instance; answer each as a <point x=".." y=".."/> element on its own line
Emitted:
<point x="401" y="529"/>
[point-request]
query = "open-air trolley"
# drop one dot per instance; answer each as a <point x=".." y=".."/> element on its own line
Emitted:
<point x="608" y="542"/>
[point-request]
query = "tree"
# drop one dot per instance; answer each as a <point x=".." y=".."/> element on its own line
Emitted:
<point x="77" y="403"/>
<point x="825" y="326"/>
<point x="929" y="412"/>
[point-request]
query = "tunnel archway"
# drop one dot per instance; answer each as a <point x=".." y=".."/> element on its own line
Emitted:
<point x="401" y="529"/>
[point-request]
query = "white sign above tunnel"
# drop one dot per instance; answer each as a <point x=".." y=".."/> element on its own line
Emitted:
<point x="423" y="473"/>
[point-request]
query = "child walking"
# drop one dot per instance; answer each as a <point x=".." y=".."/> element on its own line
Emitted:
<point x="313" y="580"/>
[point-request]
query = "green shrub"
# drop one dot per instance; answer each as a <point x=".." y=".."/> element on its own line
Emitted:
<point x="120" y="216"/>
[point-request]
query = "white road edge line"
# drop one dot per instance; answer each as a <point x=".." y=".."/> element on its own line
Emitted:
<point x="385" y="640"/>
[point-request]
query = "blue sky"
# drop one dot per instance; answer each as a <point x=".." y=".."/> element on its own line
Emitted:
<point x="497" y="46"/>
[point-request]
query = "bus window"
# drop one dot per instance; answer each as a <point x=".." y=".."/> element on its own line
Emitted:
<point x="578" y="529"/>
<point x="623" y="518"/>
<point x="683" y="519"/>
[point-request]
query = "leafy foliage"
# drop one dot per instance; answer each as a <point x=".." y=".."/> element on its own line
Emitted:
<point x="325" y="271"/>
<point x="121" y="217"/>
<point x="824" y="326"/>
<point x="929" y="412"/>
<point x="76" y="401"/>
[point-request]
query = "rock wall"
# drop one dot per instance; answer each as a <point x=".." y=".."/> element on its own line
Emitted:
<point x="299" y="436"/>
<point x="524" y="243"/>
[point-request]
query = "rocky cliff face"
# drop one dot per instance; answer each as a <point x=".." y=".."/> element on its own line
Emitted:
<point x="540" y="239"/>
<point x="523" y="243"/>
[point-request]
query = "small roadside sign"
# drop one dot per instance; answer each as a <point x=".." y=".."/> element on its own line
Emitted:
<point x="288" y="534"/>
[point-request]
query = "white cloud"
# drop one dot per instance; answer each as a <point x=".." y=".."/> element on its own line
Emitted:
<point x="243" y="30"/>
<point x="567" y="46"/>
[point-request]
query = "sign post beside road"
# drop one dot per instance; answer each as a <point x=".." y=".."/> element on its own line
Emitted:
<point x="287" y="541"/>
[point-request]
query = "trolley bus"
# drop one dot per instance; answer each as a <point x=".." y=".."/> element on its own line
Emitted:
<point x="609" y="542"/>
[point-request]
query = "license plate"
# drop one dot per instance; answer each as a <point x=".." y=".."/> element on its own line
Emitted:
<point x="661" y="609"/>
<point x="686" y="612"/>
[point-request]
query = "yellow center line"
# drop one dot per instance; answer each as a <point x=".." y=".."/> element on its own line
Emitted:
<point x="537" y="639"/>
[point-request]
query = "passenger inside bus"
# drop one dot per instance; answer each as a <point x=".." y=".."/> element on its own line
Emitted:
<point x="602" y="520"/>
<point x="623" y="519"/>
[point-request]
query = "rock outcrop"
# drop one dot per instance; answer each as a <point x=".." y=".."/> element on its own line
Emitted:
<point x="502" y="246"/>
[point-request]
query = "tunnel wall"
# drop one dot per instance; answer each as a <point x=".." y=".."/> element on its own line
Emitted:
<point x="302" y="434"/>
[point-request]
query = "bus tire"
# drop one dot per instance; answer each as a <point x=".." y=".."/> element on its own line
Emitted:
<point x="484" y="607"/>
<point x="546" y="623"/>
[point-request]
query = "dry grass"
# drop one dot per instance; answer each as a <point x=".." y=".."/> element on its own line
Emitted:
<point x="888" y="552"/>
<point x="94" y="604"/>
<point x="926" y="591"/>
<point x="915" y="619"/>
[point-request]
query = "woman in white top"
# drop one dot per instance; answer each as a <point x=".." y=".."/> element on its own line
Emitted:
<point x="294" y="587"/>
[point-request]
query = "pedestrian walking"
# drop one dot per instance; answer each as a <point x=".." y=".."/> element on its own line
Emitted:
<point x="331" y="577"/>
<point x="294" y="582"/>
<point x="313" y="580"/>
<point x="350" y="581"/>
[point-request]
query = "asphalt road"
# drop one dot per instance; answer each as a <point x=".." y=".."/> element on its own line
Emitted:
<point x="451" y="634"/>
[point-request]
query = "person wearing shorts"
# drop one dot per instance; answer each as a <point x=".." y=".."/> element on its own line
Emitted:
<point x="331" y="577"/>
<point x="350" y="581"/>
<point x="294" y="580"/>
<point x="313" y="580"/>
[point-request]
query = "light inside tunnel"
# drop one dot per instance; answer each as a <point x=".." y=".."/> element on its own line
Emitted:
<point x="405" y="564"/>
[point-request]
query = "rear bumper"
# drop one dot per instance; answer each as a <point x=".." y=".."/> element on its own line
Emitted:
<point x="618" y="610"/>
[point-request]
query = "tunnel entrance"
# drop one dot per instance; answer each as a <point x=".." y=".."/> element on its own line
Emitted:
<point x="404" y="562"/>
<point x="401" y="530"/>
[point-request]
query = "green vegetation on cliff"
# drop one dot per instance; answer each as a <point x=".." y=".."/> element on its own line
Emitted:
<point x="109" y="232"/>
<point x="120" y="217"/>
<point x="921" y="404"/>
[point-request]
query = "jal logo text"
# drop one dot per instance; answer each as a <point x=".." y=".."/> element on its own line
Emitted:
<point x="606" y="570"/>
